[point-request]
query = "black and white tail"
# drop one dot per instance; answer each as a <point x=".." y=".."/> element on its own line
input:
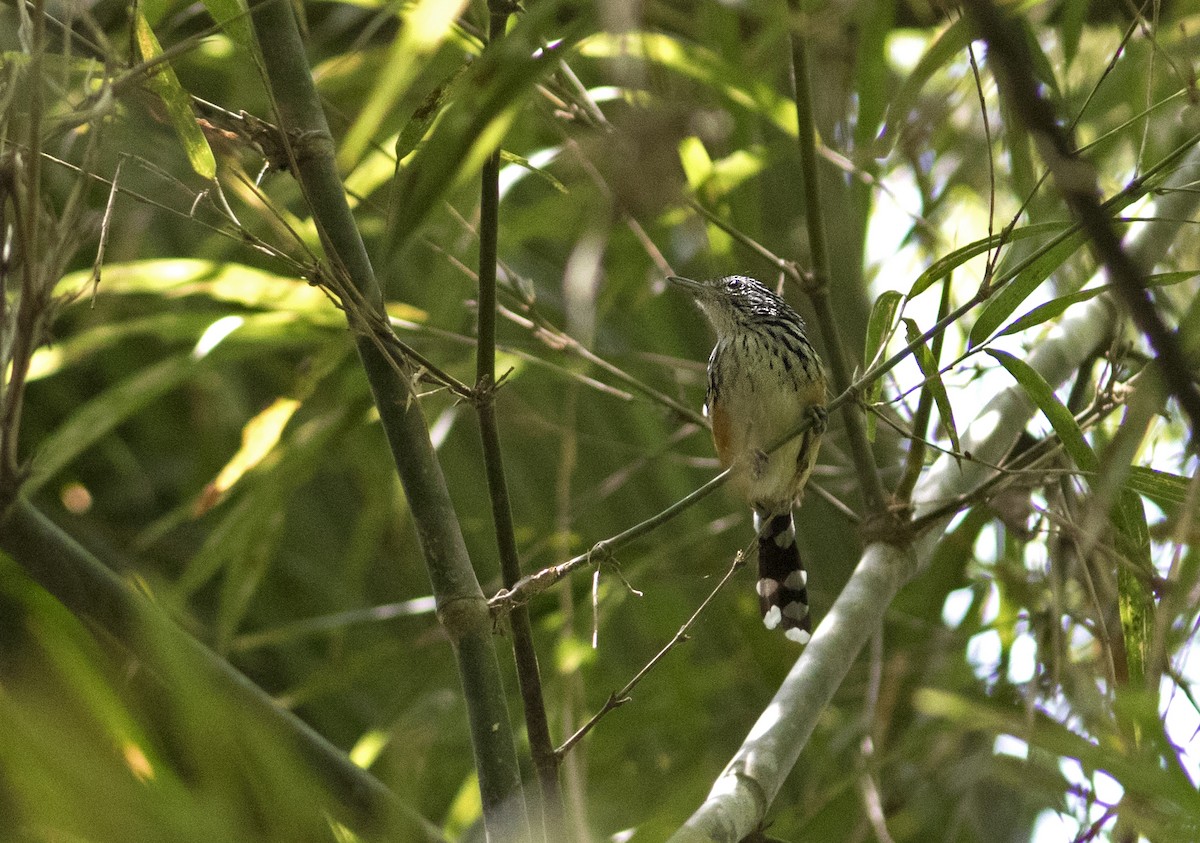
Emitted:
<point x="782" y="581"/>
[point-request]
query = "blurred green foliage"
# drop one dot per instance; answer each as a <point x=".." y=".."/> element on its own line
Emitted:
<point x="200" y="422"/>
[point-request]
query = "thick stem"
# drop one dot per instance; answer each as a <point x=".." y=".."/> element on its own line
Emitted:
<point x="529" y="678"/>
<point x="460" y="601"/>
<point x="852" y="415"/>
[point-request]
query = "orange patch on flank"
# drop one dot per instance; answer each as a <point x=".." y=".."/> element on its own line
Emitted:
<point x="814" y="393"/>
<point x="721" y="433"/>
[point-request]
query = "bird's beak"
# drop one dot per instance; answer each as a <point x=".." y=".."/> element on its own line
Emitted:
<point x="695" y="288"/>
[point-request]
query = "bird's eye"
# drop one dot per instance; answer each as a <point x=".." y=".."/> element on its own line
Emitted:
<point x="735" y="284"/>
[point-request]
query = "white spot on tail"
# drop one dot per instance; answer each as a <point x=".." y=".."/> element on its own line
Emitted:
<point x="800" y="636"/>
<point x="772" y="618"/>
<point x="796" y="580"/>
<point x="787" y="537"/>
<point x="766" y="587"/>
<point x="795" y="610"/>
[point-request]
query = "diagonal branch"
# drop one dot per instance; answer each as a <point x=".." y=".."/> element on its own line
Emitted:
<point x="1076" y="181"/>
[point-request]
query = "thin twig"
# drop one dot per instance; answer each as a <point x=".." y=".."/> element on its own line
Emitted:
<point x="619" y="698"/>
<point x="602" y="551"/>
<point x="559" y="340"/>
<point x="556" y="338"/>
<point x="787" y="267"/>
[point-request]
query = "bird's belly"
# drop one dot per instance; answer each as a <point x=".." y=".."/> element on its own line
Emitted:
<point x="752" y="418"/>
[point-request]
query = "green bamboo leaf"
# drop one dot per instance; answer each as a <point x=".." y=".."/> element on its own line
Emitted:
<point x="1128" y="516"/>
<point x="426" y="113"/>
<point x="245" y="565"/>
<point x="1043" y="68"/>
<point x="882" y="313"/>
<point x="700" y="64"/>
<point x="1072" y="15"/>
<point x="523" y="163"/>
<point x="1030" y="274"/>
<point x="226" y="282"/>
<point x="424" y="27"/>
<point x="233" y="17"/>
<point x="1027" y="278"/>
<point x="1049" y="310"/>
<point x="946" y="49"/>
<point x="872" y="85"/>
<point x="473" y="126"/>
<point x="95" y="419"/>
<point x="1167" y="783"/>
<point x="163" y="82"/>
<point x="1055" y="411"/>
<point x="1135" y="602"/>
<point x="942" y="267"/>
<point x="245" y="529"/>
<point x="230" y="283"/>
<point x="1189" y="331"/>
<point x="1056" y="307"/>
<point x="174" y="328"/>
<point x="933" y="382"/>
<point x="244" y="540"/>
<point x="1162" y="487"/>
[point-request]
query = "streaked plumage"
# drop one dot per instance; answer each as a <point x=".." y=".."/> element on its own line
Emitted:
<point x="764" y="379"/>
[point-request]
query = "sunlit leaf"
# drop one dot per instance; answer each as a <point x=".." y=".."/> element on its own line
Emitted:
<point x="947" y="47"/>
<point x="233" y="17"/>
<point x="1060" y="418"/>
<point x="466" y="809"/>
<point x="512" y="158"/>
<point x="942" y="267"/>
<point x="933" y="382"/>
<point x="161" y="79"/>
<point x="231" y="283"/>
<point x="474" y="125"/>
<point x="259" y="436"/>
<point x="1056" y="307"/>
<point x="883" y="313"/>
<point x="424" y="25"/>
<point x="699" y="63"/>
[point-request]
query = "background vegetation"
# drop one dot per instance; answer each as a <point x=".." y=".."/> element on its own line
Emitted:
<point x="216" y="619"/>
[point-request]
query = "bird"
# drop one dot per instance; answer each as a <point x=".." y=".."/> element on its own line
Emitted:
<point x="764" y="379"/>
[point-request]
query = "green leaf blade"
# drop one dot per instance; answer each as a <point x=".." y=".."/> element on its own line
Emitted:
<point x="1055" y="411"/>
<point x="162" y="80"/>
<point x="934" y="383"/>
